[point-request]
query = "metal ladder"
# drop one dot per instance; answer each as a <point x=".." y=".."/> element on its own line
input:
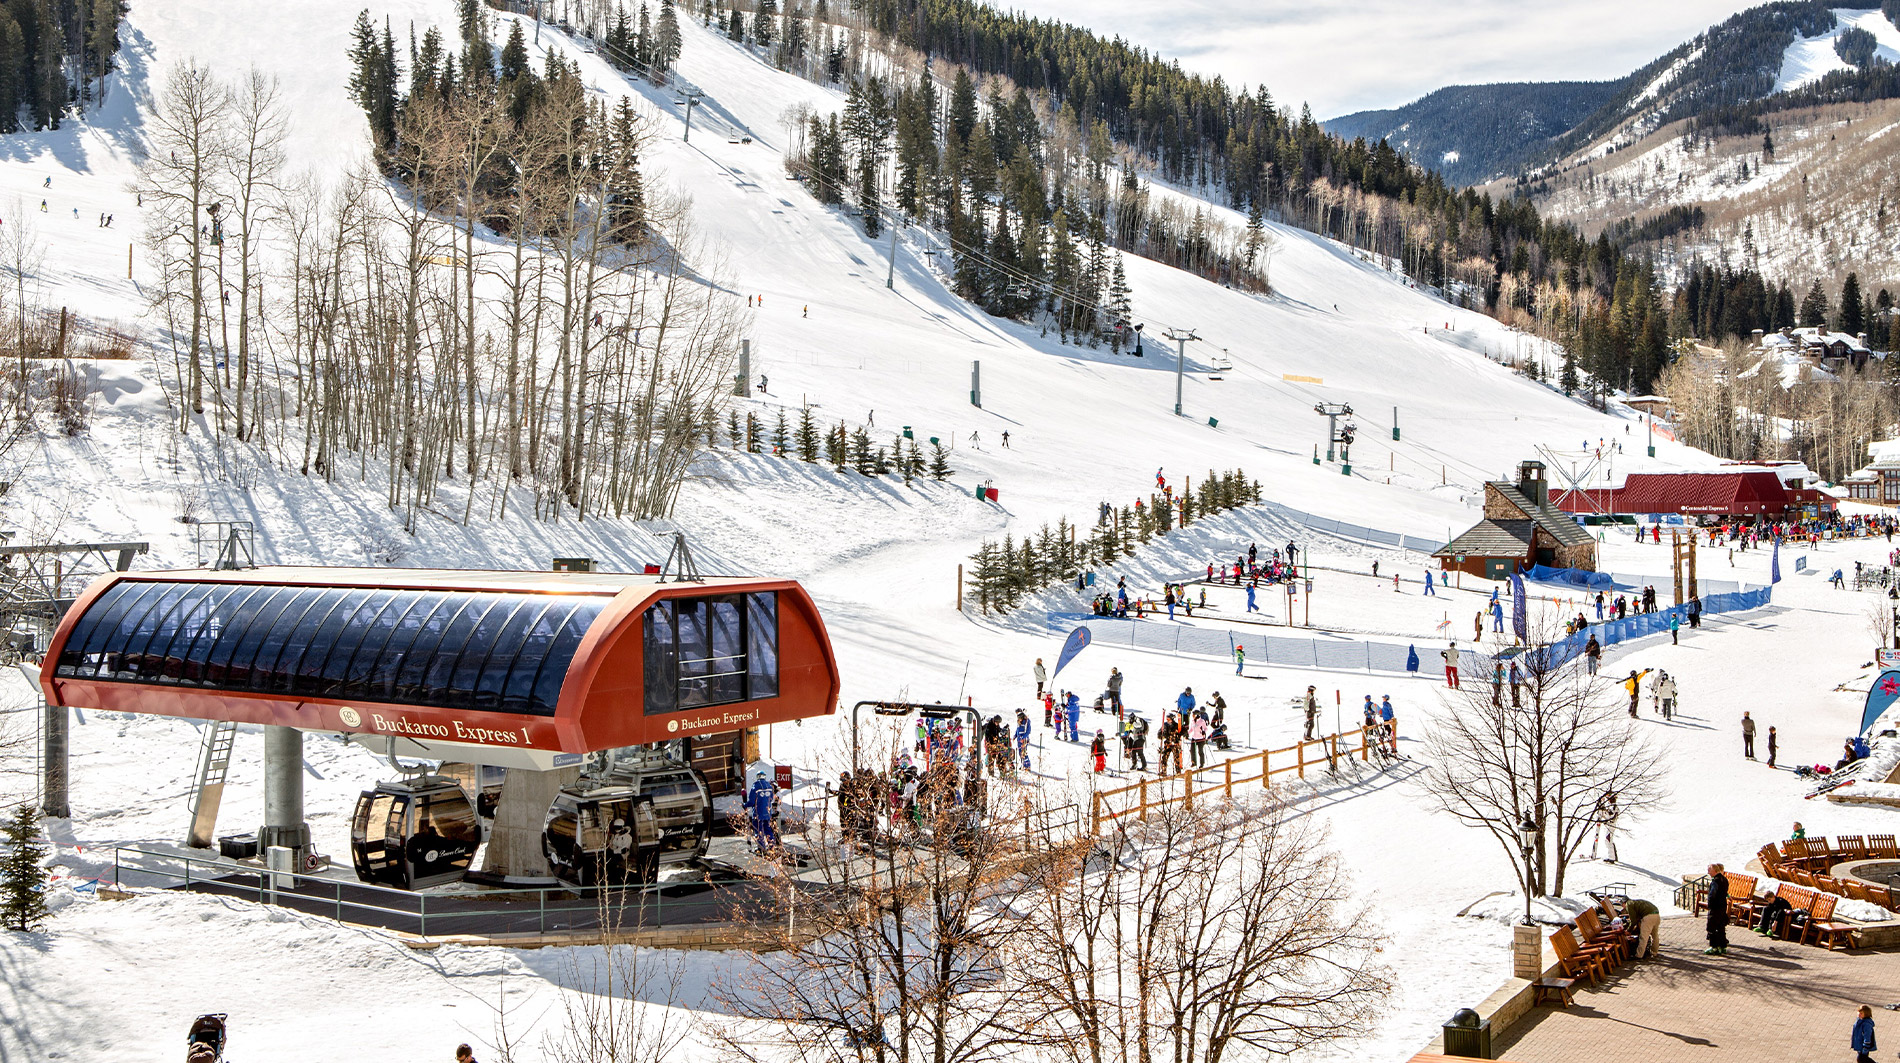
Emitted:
<point x="214" y="759"/>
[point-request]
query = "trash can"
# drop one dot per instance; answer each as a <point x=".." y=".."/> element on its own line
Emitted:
<point x="1213" y="422"/>
<point x="907" y="434"/>
<point x="1468" y="1036"/>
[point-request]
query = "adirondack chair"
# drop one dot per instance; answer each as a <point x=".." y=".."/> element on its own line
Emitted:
<point x="1741" y="898"/>
<point x="1850" y="847"/>
<point x="1770" y="861"/>
<point x="1593" y="932"/>
<point x="1801" y="923"/>
<point x="1882" y="847"/>
<point x="1576" y="961"/>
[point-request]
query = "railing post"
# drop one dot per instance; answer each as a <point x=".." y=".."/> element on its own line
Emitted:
<point x="1365" y="743"/>
<point x="1142" y="807"/>
<point x="1301" y="749"/>
<point x="1266" y="772"/>
<point x="1227" y="769"/>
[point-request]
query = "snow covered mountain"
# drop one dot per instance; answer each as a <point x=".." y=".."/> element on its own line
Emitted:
<point x="1477" y="133"/>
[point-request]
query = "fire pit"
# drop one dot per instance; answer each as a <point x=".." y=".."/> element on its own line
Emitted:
<point x="1873" y="872"/>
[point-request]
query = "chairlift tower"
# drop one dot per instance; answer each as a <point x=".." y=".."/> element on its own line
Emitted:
<point x="1333" y="411"/>
<point x="1576" y="478"/>
<point x="1180" y="359"/>
<point x="689" y="98"/>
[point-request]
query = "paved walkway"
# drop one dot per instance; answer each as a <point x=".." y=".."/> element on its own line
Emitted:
<point x="1766" y="1001"/>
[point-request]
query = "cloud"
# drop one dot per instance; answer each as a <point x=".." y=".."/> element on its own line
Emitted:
<point x="1381" y="53"/>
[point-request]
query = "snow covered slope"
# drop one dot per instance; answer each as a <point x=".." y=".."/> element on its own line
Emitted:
<point x="1084" y="426"/>
<point x="1809" y="59"/>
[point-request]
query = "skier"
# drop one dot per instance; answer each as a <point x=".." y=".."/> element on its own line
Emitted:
<point x="1592" y="654"/>
<point x="1390" y="721"/>
<point x="1022" y="738"/>
<point x="760" y="801"/>
<point x="1251" y="606"/>
<point x="1041" y="674"/>
<point x="1160" y="480"/>
<point x="1375" y="570"/>
<point x="1240" y="658"/>
<point x="1517" y="685"/>
<point x="1606" y="826"/>
<point x="1099" y="750"/>
<point x="1428" y="584"/>
<point x="1074" y="705"/>
<point x="1497" y="617"/>
<point x="1115" y="690"/>
<point x="1185" y="702"/>
<point x="1634" y="685"/>
<point x="1005" y="440"/>
<point x="1137" y="742"/>
<point x="1450" y="654"/>
<point x="1311" y="704"/>
<point x="1665" y="693"/>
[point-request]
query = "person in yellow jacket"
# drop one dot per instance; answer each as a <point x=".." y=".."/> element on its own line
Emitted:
<point x="1634" y="684"/>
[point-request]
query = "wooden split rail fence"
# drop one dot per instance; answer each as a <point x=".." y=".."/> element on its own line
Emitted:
<point x="1321" y="754"/>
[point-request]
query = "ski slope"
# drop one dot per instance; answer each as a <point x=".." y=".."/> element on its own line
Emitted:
<point x="1809" y="59"/>
<point x="1085" y="426"/>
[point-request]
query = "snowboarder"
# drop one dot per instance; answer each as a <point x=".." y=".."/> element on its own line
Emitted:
<point x="1748" y="736"/>
<point x="1042" y="676"/>
<point x="1240" y="658"/>
<point x="762" y="382"/>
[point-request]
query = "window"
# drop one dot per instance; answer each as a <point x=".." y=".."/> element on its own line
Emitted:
<point x="1890" y="487"/>
<point x="714" y="650"/>
<point x="445" y="649"/>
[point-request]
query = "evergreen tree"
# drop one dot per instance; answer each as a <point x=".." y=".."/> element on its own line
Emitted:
<point x="22" y="876"/>
<point x="834" y="448"/>
<point x="1851" y="318"/>
<point x="1567" y="379"/>
<point x="478" y="53"/>
<point x="514" y="54"/>
<point x="861" y="460"/>
<point x="754" y="433"/>
<point x="962" y="106"/>
<point x="910" y="461"/>
<point x="939" y="463"/>
<point x="373" y="80"/>
<point x="807" y="436"/>
<point x="733" y="438"/>
<point x="735" y="27"/>
<point x="985" y="574"/>
<point x="781" y="437"/>
<point x="666" y="41"/>
<point x="763" y="30"/>
<point x="792" y="38"/>
<point x="1814" y="309"/>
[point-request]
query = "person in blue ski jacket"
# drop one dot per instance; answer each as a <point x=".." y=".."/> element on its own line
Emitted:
<point x="1185" y="703"/>
<point x="760" y="800"/>
<point x="1074" y="705"/>
<point x="1251" y="607"/>
<point x="1497" y="616"/>
<point x="1863" y="1043"/>
<point x="1022" y="737"/>
<point x="1428" y="584"/>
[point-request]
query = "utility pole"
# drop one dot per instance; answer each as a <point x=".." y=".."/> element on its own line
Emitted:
<point x="890" y="277"/>
<point x="689" y="97"/>
<point x="1180" y="359"/>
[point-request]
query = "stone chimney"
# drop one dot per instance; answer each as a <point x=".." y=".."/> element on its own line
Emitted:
<point x="1530" y="480"/>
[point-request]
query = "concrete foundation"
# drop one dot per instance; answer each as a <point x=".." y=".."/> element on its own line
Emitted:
<point x="514" y="843"/>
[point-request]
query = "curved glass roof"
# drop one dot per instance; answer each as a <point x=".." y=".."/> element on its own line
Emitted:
<point x="480" y="650"/>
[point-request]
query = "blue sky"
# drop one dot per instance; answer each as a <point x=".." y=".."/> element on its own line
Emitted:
<point x="1343" y="57"/>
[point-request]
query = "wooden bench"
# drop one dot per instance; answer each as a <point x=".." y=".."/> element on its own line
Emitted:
<point x="1544" y="989"/>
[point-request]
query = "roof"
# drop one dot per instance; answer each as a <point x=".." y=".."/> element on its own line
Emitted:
<point x="1884" y="452"/>
<point x="1491" y="538"/>
<point x="1721" y="492"/>
<point x="1555" y="522"/>
<point x="474" y="664"/>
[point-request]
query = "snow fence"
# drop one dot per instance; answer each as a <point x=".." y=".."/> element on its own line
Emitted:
<point x="1355" y="655"/>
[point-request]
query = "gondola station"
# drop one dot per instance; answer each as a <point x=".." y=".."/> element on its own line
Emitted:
<point x="588" y="719"/>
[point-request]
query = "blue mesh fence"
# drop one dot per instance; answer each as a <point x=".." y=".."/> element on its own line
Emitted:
<point x="1355" y="655"/>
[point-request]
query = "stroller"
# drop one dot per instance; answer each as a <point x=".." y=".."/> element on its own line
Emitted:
<point x="205" y="1042"/>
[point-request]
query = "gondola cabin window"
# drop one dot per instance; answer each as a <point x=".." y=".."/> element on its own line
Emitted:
<point x="714" y="650"/>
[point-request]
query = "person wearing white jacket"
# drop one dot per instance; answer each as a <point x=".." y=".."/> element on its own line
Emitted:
<point x="1664" y="690"/>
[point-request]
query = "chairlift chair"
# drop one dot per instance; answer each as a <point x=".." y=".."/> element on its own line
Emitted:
<point x="414" y="833"/>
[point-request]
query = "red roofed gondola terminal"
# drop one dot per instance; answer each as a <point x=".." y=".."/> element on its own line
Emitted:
<point x="653" y="682"/>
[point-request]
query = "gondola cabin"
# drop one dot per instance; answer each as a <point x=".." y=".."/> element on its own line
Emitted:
<point x="415" y="833"/>
<point x="626" y="826"/>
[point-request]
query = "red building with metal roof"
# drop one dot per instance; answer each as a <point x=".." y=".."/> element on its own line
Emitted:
<point x="1737" y="493"/>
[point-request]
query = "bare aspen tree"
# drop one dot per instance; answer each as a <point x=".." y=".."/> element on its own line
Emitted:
<point x="1548" y="762"/>
<point x="256" y="159"/>
<point x="1200" y="934"/>
<point x="21" y="254"/>
<point x="189" y="151"/>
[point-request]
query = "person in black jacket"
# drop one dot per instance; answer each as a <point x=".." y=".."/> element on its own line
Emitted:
<point x="1718" y="912"/>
